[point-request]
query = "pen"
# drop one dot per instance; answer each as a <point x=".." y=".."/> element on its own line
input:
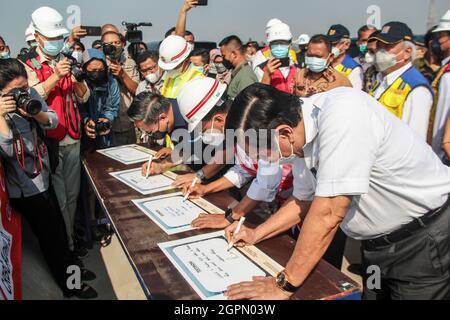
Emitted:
<point x="150" y="159"/>
<point x="241" y="222"/>
<point x="192" y="185"/>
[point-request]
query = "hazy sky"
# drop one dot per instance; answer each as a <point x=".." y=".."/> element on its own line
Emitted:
<point x="246" y="18"/>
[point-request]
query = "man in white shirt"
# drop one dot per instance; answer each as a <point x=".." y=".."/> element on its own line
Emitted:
<point x="441" y="86"/>
<point x="399" y="86"/>
<point x="376" y="179"/>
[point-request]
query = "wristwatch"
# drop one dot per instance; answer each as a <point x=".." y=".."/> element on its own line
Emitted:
<point x="229" y="215"/>
<point x="201" y="175"/>
<point x="283" y="283"/>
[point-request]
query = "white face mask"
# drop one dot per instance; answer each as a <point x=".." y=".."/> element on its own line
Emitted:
<point x="385" y="60"/>
<point x="336" y="52"/>
<point x="268" y="168"/>
<point x="78" y="55"/>
<point x="286" y="160"/>
<point x="212" y="137"/>
<point x="154" y="77"/>
<point x="369" y="58"/>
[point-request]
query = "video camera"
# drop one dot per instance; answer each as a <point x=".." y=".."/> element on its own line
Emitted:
<point x="133" y="34"/>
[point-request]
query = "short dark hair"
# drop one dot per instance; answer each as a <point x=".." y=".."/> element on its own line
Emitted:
<point x="222" y="108"/>
<point x="147" y="107"/>
<point x="201" y="53"/>
<point x="188" y="33"/>
<point x="96" y="43"/>
<point x="149" y="54"/>
<point x="11" y="69"/>
<point x="252" y="44"/>
<point x="321" y="38"/>
<point x="364" y="29"/>
<point x="78" y="43"/>
<point x="114" y="33"/>
<point x="235" y="41"/>
<point x="262" y="107"/>
<point x="169" y="32"/>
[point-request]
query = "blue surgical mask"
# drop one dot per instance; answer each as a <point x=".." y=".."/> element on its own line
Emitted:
<point x="279" y="51"/>
<point x="5" y="55"/>
<point x="336" y="52"/>
<point x="363" y="48"/>
<point x="201" y="69"/>
<point x="316" y="65"/>
<point x="53" y="48"/>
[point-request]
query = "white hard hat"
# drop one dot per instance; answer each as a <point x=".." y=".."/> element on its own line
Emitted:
<point x="197" y="98"/>
<point x="49" y="22"/>
<point x="279" y="31"/>
<point x="303" y="39"/>
<point x="444" y="23"/>
<point x="271" y="23"/>
<point x="29" y="33"/>
<point x="173" y="51"/>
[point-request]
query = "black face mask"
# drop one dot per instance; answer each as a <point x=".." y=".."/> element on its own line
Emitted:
<point x="227" y="64"/>
<point x="97" y="77"/>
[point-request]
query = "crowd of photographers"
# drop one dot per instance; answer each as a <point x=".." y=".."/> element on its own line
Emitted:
<point x="60" y="99"/>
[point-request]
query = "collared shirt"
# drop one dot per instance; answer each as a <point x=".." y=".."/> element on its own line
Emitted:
<point x="17" y="181"/>
<point x="442" y="112"/>
<point x="356" y="77"/>
<point x="417" y="107"/>
<point x="242" y="77"/>
<point x="360" y="149"/>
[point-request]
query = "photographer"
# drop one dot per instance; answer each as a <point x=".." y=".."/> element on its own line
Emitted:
<point x="50" y="73"/>
<point x="23" y="117"/>
<point x="124" y="69"/>
<point x="151" y="73"/>
<point x="103" y="105"/>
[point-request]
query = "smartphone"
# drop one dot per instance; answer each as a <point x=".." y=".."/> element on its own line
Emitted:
<point x="202" y="2"/>
<point x="93" y="31"/>
<point x="285" y="62"/>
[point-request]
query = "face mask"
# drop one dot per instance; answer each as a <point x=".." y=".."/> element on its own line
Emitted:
<point x="286" y="160"/>
<point x="316" y="65"/>
<point x="97" y="77"/>
<point x="5" y="55"/>
<point x="279" y="51"/>
<point x="436" y="49"/>
<point x="220" y="68"/>
<point x="268" y="168"/>
<point x="369" y="58"/>
<point x="34" y="44"/>
<point x="77" y="55"/>
<point x="336" y="52"/>
<point x="153" y="77"/>
<point x="213" y="138"/>
<point x="363" y="48"/>
<point x="174" y="73"/>
<point x="53" y="48"/>
<point x="201" y="69"/>
<point x="385" y="60"/>
<point x="227" y="64"/>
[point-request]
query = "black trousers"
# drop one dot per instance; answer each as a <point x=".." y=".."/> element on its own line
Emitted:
<point x="416" y="268"/>
<point x="44" y="216"/>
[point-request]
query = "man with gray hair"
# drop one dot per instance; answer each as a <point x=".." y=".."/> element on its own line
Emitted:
<point x="399" y="86"/>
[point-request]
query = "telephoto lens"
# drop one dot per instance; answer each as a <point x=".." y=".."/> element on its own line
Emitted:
<point x="109" y="50"/>
<point x="25" y="102"/>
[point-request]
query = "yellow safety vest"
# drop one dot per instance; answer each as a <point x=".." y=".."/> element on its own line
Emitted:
<point x="172" y="86"/>
<point x="435" y="86"/>
<point x="394" y="97"/>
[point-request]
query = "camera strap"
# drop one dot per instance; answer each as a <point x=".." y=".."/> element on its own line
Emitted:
<point x="20" y="151"/>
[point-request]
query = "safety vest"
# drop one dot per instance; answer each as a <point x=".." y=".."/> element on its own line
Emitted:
<point x="278" y="81"/>
<point x="435" y="85"/>
<point x="394" y="98"/>
<point x="347" y="66"/>
<point x="172" y="86"/>
<point x="60" y="99"/>
<point x="287" y="180"/>
<point x="292" y="54"/>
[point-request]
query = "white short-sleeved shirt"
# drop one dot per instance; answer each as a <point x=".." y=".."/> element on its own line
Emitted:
<point x="356" y="77"/>
<point x="442" y="112"/>
<point x="417" y="107"/>
<point x="358" y="148"/>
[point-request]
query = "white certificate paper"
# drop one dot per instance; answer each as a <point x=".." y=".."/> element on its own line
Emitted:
<point x="172" y="214"/>
<point x="130" y="154"/>
<point x="208" y="266"/>
<point x="134" y="179"/>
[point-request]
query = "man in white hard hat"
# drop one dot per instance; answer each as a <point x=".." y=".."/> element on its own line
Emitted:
<point x="174" y="59"/>
<point x="29" y="36"/>
<point x="49" y="72"/>
<point x="302" y="43"/>
<point x="441" y="86"/>
<point x="279" y="70"/>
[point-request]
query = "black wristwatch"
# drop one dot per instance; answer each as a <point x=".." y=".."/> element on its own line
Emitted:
<point x="283" y="283"/>
<point x="229" y="215"/>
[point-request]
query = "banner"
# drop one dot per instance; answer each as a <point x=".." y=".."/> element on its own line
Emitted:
<point x="10" y="246"/>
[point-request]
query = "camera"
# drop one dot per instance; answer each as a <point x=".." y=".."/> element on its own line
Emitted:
<point x="25" y="102"/>
<point x="76" y="68"/>
<point x="101" y="127"/>
<point x="109" y="50"/>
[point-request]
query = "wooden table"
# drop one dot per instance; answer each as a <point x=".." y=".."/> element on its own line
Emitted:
<point x="139" y="237"/>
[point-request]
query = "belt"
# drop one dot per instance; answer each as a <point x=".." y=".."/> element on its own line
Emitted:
<point x="407" y="230"/>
